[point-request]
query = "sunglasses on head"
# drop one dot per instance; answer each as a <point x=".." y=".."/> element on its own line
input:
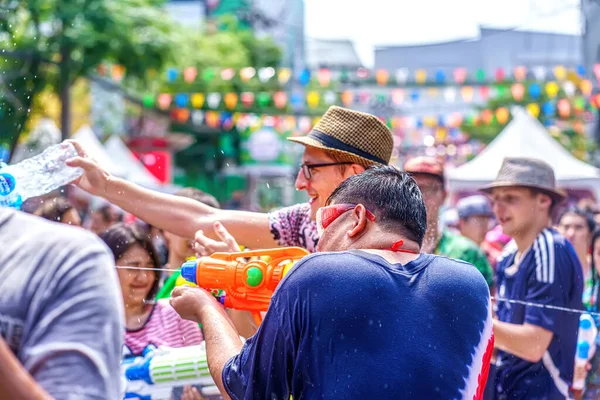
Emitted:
<point x="326" y="215"/>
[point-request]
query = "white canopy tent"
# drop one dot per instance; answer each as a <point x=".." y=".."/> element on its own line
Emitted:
<point x="524" y="136"/>
<point x="135" y="170"/>
<point x="94" y="147"/>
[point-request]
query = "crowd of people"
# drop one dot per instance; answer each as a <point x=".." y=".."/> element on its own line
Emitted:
<point x="394" y="302"/>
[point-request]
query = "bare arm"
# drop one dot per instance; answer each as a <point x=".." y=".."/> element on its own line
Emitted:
<point x="15" y="381"/>
<point x="175" y="214"/>
<point x="222" y="340"/>
<point x="183" y="216"/>
<point x="526" y="341"/>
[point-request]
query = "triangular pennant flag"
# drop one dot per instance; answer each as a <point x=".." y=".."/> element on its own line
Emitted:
<point x="247" y="73"/>
<point x="362" y="73"/>
<point x="520" y="73"/>
<point x="329" y="97"/>
<point x="460" y="75"/>
<point x="586" y="87"/>
<point x="213" y="100"/>
<point x="569" y="88"/>
<point x="564" y="108"/>
<point x="518" y="91"/>
<point x="189" y="74"/>
<point x="560" y="72"/>
<point x="551" y="89"/>
<point x="397" y="96"/>
<point x="312" y="99"/>
<point x="420" y="76"/>
<point x="347" y="98"/>
<point x="197" y="117"/>
<point x="197" y="100"/>
<point x="164" y="100"/>
<point x="539" y="72"/>
<point x="402" y="76"/>
<point x="467" y="93"/>
<point x="247" y="99"/>
<point x="381" y="76"/>
<point x="265" y="74"/>
<point x="230" y="100"/>
<point x="324" y="77"/>
<point x="284" y="75"/>
<point x="280" y="99"/>
<point x="227" y="74"/>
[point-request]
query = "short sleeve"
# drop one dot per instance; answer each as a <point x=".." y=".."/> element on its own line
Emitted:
<point x="77" y="325"/>
<point x="292" y="226"/>
<point x="549" y="283"/>
<point x="263" y="368"/>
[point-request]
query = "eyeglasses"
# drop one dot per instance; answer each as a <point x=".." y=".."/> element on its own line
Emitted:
<point x="326" y="215"/>
<point x="306" y="168"/>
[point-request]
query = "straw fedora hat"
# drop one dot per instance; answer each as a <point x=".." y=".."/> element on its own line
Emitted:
<point x="354" y="136"/>
<point x="526" y="172"/>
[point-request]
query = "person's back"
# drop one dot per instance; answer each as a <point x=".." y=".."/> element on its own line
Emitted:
<point x="359" y="327"/>
<point x="60" y="307"/>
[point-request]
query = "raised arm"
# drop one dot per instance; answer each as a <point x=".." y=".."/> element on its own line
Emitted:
<point x="175" y="214"/>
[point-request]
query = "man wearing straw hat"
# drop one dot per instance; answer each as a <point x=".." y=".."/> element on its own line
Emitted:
<point x="342" y="144"/>
<point x="539" y="266"/>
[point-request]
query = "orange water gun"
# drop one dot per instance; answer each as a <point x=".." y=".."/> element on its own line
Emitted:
<point x="248" y="285"/>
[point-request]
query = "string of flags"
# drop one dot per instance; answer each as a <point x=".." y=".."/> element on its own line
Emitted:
<point x="566" y="100"/>
<point x="445" y="124"/>
<point x="382" y="77"/>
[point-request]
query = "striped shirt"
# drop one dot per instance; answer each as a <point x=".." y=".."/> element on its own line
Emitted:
<point x="164" y="327"/>
<point x="549" y="273"/>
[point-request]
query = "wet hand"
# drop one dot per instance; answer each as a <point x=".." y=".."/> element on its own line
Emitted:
<point x="191" y="393"/>
<point x="189" y="301"/>
<point x="94" y="179"/>
<point x="204" y="246"/>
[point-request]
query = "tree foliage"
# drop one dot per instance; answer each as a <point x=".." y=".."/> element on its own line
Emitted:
<point x="48" y="44"/>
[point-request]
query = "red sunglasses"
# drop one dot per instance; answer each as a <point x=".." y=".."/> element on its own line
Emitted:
<point x="326" y="215"/>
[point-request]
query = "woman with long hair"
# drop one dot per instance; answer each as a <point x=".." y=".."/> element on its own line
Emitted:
<point x="149" y="323"/>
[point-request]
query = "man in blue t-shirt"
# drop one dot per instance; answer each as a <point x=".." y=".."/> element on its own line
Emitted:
<point x="368" y="317"/>
<point x="536" y="344"/>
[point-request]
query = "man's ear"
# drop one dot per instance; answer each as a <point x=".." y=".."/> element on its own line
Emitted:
<point x="354" y="169"/>
<point x="544" y="200"/>
<point x="359" y="221"/>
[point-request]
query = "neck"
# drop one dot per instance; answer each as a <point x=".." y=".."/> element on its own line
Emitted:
<point x="526" y="239"/>
<point x="382" y="243"/>
<point x="582" y="255"/>
<point x="134" y="310"/>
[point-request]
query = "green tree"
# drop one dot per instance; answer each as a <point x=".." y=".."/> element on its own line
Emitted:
<point x="51" y="43"/>
<point x="209" y="52"/>
<point x="572" y="138"/>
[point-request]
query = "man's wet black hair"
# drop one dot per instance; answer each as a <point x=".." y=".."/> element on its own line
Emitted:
<point x="391" y="195"/>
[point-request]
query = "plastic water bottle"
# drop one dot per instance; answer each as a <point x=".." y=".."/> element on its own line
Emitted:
<point x="37" y="175"/>
<point x="586" y="347"/>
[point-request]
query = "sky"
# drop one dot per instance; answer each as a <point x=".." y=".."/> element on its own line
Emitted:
<point x="385" y="22"/>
